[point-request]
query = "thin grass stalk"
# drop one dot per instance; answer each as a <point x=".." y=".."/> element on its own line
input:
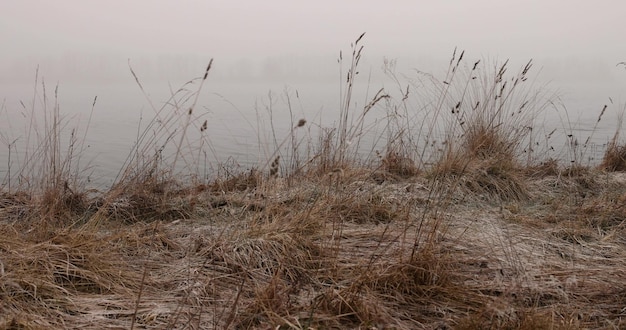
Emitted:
<point x="294" y="160"/>
<point x="442" y="95"/>
<point x="233" y="311"/>
<point x="138" y="300"/>
<point x="189" y="113"/>
<point x="31" y="130"/>
<point x="147" y="139"/>
<point x="361" y="122"/>
<point x="270" y="110"/>
<point x="346" y="100"/>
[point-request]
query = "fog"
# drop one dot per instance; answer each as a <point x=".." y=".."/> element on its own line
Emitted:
<point x="95" y="40"/>
<point x="88" y="47"/>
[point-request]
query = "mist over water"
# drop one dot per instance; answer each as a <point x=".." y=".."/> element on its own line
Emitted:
<point x="247" y="118"/>
<point x="271" y="69"/>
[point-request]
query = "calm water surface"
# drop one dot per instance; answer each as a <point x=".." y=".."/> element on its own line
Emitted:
<point x="240" y="114"/>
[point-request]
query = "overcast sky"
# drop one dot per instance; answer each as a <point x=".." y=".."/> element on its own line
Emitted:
<point x="105" y="34"/>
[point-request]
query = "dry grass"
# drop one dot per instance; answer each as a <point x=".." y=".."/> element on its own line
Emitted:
<point x="614" y="156"/>
<point x="477" y="240"/>
<point x="315" y="256"/>
<point x="491" y="123"/>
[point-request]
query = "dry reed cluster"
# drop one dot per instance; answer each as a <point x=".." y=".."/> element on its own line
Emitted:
<point x="457" y="224"/>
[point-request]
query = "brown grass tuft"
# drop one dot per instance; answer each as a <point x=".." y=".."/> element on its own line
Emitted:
<point x="496" y="177"/>
<point x="519" y="319"/>
<point x="275" y="166"/>
<point x="398" y="164"/>
<point x="614" y="157"/>
<point x="490" y="123"/>
<point x="237" y="182"/>
<point x="549" y="167"/>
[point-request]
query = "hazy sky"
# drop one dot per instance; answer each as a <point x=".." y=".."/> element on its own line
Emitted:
<point x="103" y="35"/>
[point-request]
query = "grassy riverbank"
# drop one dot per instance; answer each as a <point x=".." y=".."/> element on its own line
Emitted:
<point x="357" y="248"/>
<point x="479" y="230"/>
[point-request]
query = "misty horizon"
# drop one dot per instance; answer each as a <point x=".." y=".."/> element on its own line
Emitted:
<point x="74" y="40"/>
<point x="265" y="53"/>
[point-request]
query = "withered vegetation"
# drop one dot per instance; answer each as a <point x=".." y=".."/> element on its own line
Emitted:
<point x="460" y="225"/>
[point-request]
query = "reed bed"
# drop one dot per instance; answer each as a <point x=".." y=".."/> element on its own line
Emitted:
<point x="458" y="223"/>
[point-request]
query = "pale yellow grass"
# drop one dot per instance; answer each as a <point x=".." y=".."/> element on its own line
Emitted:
<point x="343" y="252"/>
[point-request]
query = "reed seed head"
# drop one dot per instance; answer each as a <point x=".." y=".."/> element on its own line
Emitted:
<point x="274" y="166"/>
